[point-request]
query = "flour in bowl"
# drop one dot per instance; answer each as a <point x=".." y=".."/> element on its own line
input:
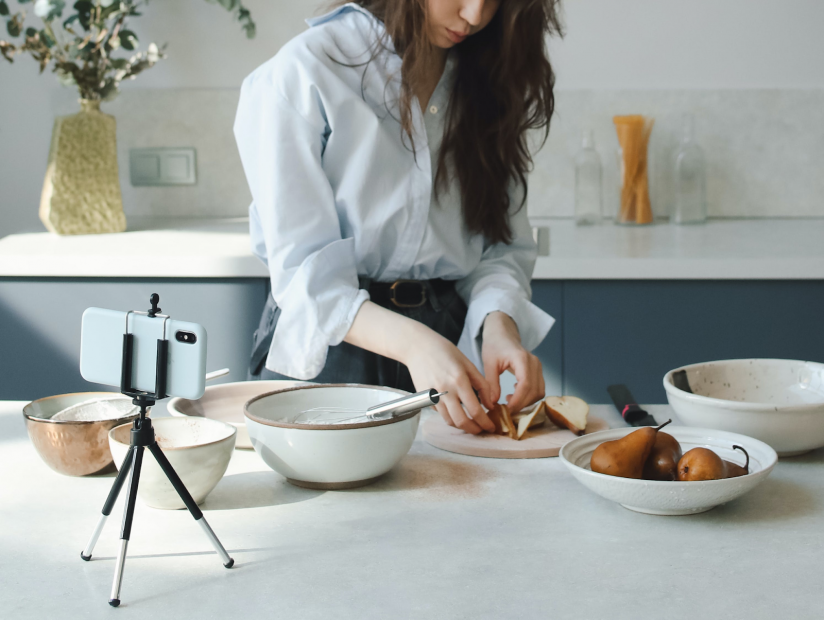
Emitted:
<point x="97" y="409"/>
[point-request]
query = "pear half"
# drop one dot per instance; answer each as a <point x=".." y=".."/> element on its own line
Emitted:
<point x="567" y="412"/>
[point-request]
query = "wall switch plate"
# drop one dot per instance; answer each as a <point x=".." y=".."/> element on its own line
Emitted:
<point x="162" y="166"/>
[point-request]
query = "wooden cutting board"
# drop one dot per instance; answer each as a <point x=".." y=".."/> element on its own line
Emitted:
<point x="537" y="443"/>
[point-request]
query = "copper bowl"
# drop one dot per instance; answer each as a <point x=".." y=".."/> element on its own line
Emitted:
<point x="73" y="448"/>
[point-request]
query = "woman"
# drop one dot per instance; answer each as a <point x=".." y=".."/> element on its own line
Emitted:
<point x="386" y="152"/>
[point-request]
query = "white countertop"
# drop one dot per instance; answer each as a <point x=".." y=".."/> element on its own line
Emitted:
<point x="763" y="249"/>
<point x="441" y="536"/>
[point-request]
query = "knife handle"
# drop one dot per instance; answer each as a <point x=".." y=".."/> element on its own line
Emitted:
<point x="625" y="403"/>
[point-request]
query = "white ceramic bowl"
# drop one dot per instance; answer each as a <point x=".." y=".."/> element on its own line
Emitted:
<point x="225" y="402"/>
<point x="338" y="456"/>
<point x="672" y="498"/>
<point x="780" y="402"/>
<point x="198" y="449"/>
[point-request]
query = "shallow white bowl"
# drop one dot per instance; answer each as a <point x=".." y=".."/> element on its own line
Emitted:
<point x="198" y="449"/>
<point x="336" y="456"/>
<point x="672" y="498"/>
<point x="225" y="402"/>
<point x="780" y="402"/>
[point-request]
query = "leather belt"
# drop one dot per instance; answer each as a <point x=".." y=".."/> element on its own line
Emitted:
<point x="409" y="293"/>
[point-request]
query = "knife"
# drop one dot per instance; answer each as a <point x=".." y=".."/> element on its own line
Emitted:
<point x="628" y="408"/>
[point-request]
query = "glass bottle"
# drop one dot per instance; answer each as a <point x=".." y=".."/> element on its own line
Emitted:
<point x="587" y="182"/>
<point x="690" y="179"/>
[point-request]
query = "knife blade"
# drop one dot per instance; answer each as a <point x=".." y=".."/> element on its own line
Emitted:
<point x="628" y="408"/>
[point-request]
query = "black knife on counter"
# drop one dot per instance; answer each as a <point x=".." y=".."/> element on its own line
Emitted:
<point x="628" y="408"/>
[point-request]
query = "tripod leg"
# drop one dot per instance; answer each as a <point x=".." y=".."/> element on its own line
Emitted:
<point x="128" y="515"/>
<point x="125" y="468"/>
<point x="181" y="489"/>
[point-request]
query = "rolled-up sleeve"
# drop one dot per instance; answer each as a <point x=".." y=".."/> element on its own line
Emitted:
<point x="501" y="282"/>
<point x="312" y="268"/>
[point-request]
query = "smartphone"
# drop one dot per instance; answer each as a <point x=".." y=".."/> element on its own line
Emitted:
<point x="101" y="351"/>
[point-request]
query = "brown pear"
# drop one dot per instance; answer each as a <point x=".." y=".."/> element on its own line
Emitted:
<point x="701" y="464"/>
<point x="734" y="470"/>
<point x="662" y="462"/>
<point x="625" y="457"/>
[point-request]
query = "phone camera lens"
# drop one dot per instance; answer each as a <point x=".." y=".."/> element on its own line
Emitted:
<point x="185" y="337"/>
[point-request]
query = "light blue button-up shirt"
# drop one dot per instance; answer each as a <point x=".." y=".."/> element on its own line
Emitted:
<point x="338" y="191"/>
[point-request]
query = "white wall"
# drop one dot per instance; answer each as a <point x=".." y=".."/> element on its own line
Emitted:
<point x="687" y="44"/>
<point x="615" y="44"/>
<point x="610" y="44"/>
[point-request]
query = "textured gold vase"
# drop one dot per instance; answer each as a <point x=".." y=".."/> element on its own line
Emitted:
<point x="81" y="192"/>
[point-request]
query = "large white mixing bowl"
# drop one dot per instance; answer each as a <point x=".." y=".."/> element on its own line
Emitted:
<point x="328" y="456"/>
<point x="780" y="402"/>
<point x="225" y="402"/>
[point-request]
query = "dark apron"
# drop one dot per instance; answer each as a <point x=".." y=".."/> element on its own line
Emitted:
<point x="443" y="311"/>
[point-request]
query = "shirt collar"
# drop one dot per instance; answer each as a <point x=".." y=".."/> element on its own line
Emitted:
<point x="349" y="6"/>
<point x="451" y="59"/>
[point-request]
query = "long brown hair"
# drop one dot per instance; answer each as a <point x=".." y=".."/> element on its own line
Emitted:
<point x="503" y="88"/>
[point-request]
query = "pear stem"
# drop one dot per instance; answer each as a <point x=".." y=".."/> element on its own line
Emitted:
<point x="664" y="424"/>
<point x="747" y="464"/>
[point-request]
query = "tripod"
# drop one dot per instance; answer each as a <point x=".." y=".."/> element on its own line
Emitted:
<point x="142" y="436"/>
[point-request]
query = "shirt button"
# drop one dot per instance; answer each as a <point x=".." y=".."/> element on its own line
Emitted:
<point x="433" y="109"/>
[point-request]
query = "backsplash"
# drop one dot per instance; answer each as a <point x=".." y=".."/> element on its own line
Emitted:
<point x="198" y="118"/>
<point x="764" y="148"/>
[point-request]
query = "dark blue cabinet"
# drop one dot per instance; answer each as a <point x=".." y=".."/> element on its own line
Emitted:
<point x="606" y="331"/>
<point x="40" y="325"/>
<point x="633" y="332"/>
<point x="549" y="297"/>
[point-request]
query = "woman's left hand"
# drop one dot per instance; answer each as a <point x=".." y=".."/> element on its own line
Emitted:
<point x="502" y="350"/>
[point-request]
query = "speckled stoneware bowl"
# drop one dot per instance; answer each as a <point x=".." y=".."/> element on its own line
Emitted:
<point x="225" y="402"/>
<point x="780" y="402"/>
<point x="329" y="456"/>
<point x="672" y="498"/>
<point x="198" y="449"/>
<point x="73" y="448"/>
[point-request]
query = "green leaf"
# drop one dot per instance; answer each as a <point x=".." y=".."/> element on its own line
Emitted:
<point x="4" y="8"/>
<point x="13" y="28"/>
<point x="128" y="40"/>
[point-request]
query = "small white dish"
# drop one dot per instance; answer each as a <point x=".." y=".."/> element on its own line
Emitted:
<point x="672" y="498"/>
<point x="225" y="402"/>
<point x="780" y="402"/>
<point x="198" y="449"/>
<point x="329" y="456"/>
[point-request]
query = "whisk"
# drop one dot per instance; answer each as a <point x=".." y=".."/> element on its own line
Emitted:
<point x="384" y="411"/>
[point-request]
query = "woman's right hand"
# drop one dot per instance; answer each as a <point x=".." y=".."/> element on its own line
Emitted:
<point x="434" y="362"/>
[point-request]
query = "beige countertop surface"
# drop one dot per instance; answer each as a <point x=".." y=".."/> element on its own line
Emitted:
<point x="757" y="249"/>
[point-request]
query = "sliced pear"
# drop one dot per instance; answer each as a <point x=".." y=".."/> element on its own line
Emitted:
<point x="530" y="419"/>
<point x="539" y="417"/>
<point x="496" y="416"/>
<point x="511" y="429"/>
<point x="568" y="412"/>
